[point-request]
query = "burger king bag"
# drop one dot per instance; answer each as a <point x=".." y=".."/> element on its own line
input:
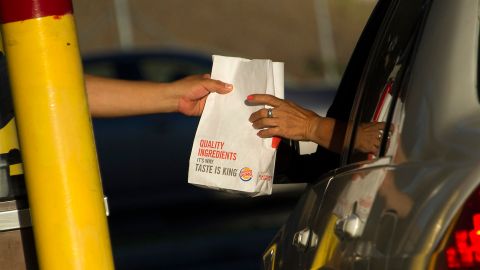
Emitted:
<point x="227" y="154"/>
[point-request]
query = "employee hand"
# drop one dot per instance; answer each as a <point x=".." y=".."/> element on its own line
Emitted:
<point x="192" y="92"/>
<point x="287" y="119"/>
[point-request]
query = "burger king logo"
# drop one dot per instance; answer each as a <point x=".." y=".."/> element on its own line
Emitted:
<point x="246" y="174"/>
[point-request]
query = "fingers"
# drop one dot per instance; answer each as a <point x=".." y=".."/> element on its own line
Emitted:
<point x="264" y="99"/>
<point x="370" y="136"/>
<point x="373" y="126"/>
<point x="218" y="86"/>
<point x="262" y="113"/>
<point x="286" y="120"/>
<point x="268" y="125"/>
<point x="212" y="85"/>
<point x="269" y="132"/>
<point x="265" y="123"/>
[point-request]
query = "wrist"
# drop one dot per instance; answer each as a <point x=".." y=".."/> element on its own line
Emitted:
<point x="320" y="130"/>
<point x="167" y="97"/>
<point x="313" y="132"/>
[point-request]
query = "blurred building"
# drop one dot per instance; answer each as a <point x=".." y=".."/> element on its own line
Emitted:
<point x="282" y="30"/>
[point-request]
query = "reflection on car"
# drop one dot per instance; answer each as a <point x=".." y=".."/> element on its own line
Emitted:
<point x="415" y="203"/>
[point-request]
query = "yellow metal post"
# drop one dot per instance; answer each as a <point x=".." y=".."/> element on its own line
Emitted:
<point x="55" y="134"/>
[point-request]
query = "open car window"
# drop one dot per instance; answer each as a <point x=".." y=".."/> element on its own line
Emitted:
<point x="378" y="108"/>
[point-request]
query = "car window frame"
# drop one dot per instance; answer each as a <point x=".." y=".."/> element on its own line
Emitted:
<point x="478" y="65"/>
<point x="398" y="89"/>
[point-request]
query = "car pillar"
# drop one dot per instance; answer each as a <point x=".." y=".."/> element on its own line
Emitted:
<point x="55" y="134"/>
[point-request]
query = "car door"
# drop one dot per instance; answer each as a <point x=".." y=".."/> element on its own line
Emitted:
<point x="343" y="237"/>
<point x="414" y="204"/>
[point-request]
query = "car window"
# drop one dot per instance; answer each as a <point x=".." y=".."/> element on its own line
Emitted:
<point x="379" y="91"/>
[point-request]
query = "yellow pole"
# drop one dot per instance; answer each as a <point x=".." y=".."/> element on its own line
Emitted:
<point x="55" y="134"/>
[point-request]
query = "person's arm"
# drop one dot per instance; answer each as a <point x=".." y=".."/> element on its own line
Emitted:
<point x="291" y="121"/>
<point x="113" y="98"/>
<point x="294" y="122"/>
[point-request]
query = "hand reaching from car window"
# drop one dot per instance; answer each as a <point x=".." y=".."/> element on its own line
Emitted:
<point x="288" y="120"/>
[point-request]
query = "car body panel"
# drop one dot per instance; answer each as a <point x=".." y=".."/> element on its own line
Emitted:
<point x="393" y="212"/>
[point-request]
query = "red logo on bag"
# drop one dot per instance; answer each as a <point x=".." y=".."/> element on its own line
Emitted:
<point x="265" y="177"/>
<point x="246" y="174"/>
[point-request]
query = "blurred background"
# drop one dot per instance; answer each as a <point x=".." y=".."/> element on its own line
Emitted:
<point x="157" y="220"/>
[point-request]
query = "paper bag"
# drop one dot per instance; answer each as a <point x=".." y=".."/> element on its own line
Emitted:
<point x="227" y="154"/>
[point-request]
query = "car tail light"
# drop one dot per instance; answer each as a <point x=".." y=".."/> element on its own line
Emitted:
<point x="462" y="247"/>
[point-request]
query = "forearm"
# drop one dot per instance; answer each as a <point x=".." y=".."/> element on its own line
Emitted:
<point x="111" y="97"/>
<point x="327" y="132"/>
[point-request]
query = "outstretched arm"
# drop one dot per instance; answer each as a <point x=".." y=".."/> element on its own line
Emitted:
<point x="113" y="98"/>
<point x="288" y="120"/>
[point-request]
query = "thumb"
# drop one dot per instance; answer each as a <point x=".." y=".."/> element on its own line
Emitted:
<point x="218" y="86"/>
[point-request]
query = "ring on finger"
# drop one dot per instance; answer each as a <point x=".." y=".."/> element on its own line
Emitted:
<point x="269" y="112"/>
<point x="380" y="134"/>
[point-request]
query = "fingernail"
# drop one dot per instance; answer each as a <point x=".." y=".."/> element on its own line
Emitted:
<point x="275" y="142"/>
<point x="229" y="86"/>
<point x="250" y="97"/>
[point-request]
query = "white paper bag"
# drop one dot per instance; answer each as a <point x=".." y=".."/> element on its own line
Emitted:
<point x="227" y="154"/>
